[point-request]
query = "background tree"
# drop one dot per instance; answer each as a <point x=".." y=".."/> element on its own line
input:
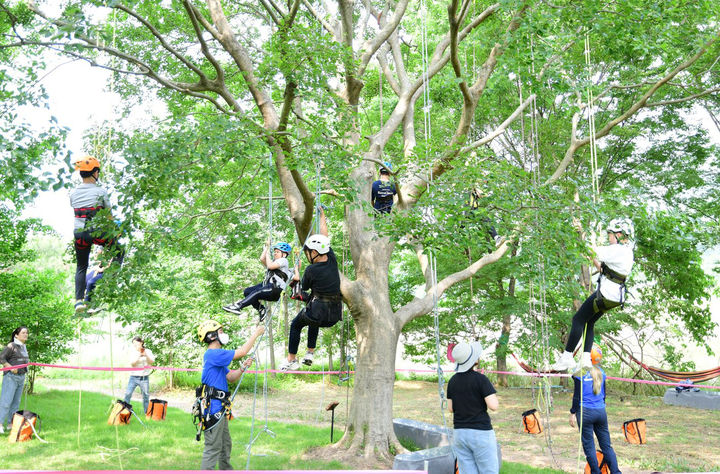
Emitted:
<point x="499" y="99"/>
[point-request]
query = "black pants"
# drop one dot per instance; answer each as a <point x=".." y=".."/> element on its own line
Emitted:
<point x="253" y="295"/>
<point x="83" y="243"/>
<point x="588" y="313"/>
<point x="315" y="315"/>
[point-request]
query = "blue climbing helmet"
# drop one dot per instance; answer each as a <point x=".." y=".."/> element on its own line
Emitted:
<point x="283" y="247"/>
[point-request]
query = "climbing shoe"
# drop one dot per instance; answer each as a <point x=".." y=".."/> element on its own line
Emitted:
<point x="289" y="365"/>
<point x="80" y="306"/>
<point x="232" y="308"/>
<point x="308" y="358"/>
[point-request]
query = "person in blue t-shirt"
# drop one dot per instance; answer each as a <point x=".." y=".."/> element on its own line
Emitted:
<point x="589" y="403"/>
<point x="214" y="389"/>
<point x="383" y="192"/>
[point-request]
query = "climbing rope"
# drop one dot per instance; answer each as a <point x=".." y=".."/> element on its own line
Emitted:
<point x="591" y="122"/>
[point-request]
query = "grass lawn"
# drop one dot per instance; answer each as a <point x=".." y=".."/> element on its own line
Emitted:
<point x="162" y="445"/>
<point x="680" y="439"/>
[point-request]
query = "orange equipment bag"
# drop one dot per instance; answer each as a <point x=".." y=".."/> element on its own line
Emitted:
<point x="602" y="464"/>
<point x="635" y="431"/>
<point x="120" y="414"/>
<point x="156" y="409"/>
<point x="23" y="426"/>
<point x="531" y="422"/>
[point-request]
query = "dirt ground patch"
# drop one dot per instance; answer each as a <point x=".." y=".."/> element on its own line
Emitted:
<point x="679" y="439"/>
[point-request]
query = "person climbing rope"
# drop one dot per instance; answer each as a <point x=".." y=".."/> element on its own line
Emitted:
<point x="589" y="393"/>
<point x="87" y="199"/>
<point x="214" y="395"/>
<point x="93" y="276"/>
<point x="324" y="302"/>
<point x="614" y="263"/>
<point x="276" y="277"/>
<point x="383" y="191"/>
<point x="470" y="395"/>
<point x="474" y="203"/>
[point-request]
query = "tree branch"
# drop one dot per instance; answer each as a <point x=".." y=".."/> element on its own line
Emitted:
<point x="639" y="104"/>
<point x="501" y="128"/>
<point x="371" y="46"/>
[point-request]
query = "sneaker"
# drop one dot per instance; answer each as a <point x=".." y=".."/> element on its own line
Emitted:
<point x="289" y="365"/>
<point x="262" y="311"/>
<point x="586" y="361"/>
<point x="94" y="310"/>
<point x="232" y="308"/>
<point x="2" y="429"/>
<point x="80" y="306"/>
<point x="499" y="239"/>
<point x="308" y="358"/>
<point x="565" y="362"/>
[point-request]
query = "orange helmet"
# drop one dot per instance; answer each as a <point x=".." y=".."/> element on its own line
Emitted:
<point x="595" y="355"/>
<point x="86" y="163"/>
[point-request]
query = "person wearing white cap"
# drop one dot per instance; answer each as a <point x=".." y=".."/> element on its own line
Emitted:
<point x="470" y="395"/>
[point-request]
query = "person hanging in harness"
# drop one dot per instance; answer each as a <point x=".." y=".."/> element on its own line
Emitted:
<point x="383" y="191"/>
<point x="323" y="302"/>
<point x="211" y="410"/>
<point x="276" y="277"/>
<point x="589" y="393"/>
<point x="474" y="203"/>
<point x="87" y="200"/>
<point x="614" y="263"/>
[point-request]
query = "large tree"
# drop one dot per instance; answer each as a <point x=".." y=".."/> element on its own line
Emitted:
<point x="468" y="93"/>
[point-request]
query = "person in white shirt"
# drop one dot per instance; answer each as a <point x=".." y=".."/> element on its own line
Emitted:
<point x="614" y="263"/>
<point x="140" y="357"/>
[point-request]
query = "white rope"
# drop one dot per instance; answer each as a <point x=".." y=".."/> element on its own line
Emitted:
<point x="591" y="123"/>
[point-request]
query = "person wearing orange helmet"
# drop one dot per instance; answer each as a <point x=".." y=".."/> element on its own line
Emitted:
<point x="589" y="394"/>
<point x="86" y="200"/>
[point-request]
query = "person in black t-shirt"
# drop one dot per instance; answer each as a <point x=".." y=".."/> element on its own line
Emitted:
<point x="324" y="300"/>
<point x="470" y="394"/>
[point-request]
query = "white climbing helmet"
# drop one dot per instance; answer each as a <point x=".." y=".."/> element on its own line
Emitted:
<point x="318" y="242"/>
<point x="623" y="225"/>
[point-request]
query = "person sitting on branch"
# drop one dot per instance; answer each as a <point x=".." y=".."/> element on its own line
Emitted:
<point x="276" y="277"/>
<point x="87" y="199"/>
<point x="614" y="263"/>
<point x="383" y="191"/>
<point x="324" y="302"/>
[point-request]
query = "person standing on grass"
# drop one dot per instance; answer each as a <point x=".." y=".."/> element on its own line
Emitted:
<point x="470" y="395"/>
<point x="140" y="357"/>
<point x="215" y="391"/>
<point x="588" y="409"/>
<point x="15" y="353"/>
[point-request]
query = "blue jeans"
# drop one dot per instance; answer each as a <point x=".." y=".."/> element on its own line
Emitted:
<point x="595" y="420"/>
<point x="144" y="383"/>
<point x="12" y="388"/>
<point x="476" y="451"/>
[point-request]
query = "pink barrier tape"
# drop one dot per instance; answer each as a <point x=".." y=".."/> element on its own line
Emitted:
<point x="209" y="472"/>
<point x="13" y="367"/>
<point x="337" y="372"/>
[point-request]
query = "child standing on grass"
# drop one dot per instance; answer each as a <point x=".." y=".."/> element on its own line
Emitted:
<point x="276" y="277"/>
<point x="215" y="391"/>
<point x="588" y="409"/>
<point x="470" y="395"/>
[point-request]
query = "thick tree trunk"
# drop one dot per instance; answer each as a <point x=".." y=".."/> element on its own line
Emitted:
<point x="370" y="427"/>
